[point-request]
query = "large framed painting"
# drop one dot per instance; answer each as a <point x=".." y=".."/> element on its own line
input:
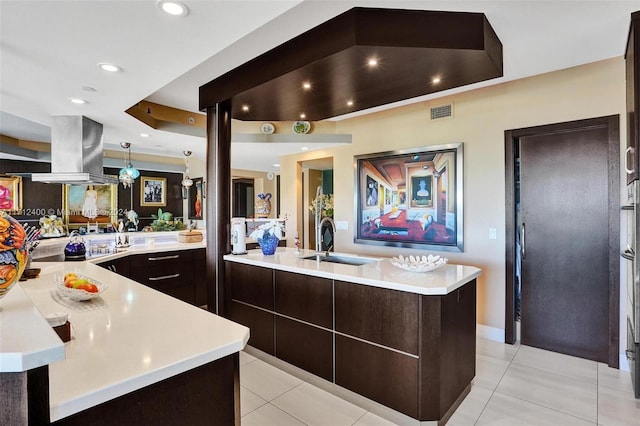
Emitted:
<point x="153" y="191"/>
<point x="84" y="204"/>
<point x="11" y="193"/>
<point x="422" y="193"/>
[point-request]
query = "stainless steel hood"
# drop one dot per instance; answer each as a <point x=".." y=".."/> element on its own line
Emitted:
<point x="76" y="152"/>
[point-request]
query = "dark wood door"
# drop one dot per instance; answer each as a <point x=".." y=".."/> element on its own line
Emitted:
<point x="565" y="242"/>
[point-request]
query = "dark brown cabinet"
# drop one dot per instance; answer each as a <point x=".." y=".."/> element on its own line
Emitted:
<point x="176" y="273"/>
<point x="169" y="272"/>
<point x="304" y="322"/>
<point x="305" y="298"/>
<point x="250" y="301"/>
<point x="632" y="61"/>
<point x="410" y="352"/>
<point x="119" y="266"/>
<point x="378" y="315"/>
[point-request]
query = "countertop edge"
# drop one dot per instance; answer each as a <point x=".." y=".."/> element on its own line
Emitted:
<point x="273" y="262"/>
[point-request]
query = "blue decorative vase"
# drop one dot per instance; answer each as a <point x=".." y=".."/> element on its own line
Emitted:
<point x="268" y="244"/>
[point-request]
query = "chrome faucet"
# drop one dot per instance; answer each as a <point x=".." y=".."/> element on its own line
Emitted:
<point x="333" y="228"/>
<point x="320" y="221"/>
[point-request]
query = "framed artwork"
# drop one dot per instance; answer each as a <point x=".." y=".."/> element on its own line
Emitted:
<point x="84" y="204"/>
<point x="153" y="191"/>
<point x="196" y="199"/>
<point x="11" y="193"/>
<point x="372" y="192"/>
<point x="424" y="189"/>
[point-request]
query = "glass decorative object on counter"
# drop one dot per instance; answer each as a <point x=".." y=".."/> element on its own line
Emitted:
<point x="268" y="244"/>
<point x="13" y="252"/>
<point x="268" y="235"/>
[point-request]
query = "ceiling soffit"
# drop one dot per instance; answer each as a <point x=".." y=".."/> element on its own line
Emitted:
<point x="411" y="47"/>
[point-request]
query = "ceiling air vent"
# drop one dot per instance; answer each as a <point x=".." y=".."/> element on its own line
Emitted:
<point x="443" y="111"/>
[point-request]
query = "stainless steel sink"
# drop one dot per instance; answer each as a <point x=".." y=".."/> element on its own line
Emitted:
<point x="345" y="260"/>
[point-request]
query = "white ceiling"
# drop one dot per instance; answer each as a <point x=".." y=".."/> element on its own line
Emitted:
<point x="49" y="50"/>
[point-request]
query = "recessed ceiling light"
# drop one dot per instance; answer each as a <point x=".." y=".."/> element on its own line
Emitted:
<point x="276" y="165"/>
<point x="245" y="108"/>
<point x="303" y="115"/>
<point x="306" y="85"/>
<point x="349" y="103"/>
<point x="77" y="101"/>
<point x="174" y="8"/>
<point x="144" y="135"/>
<point x="305" y="148"/>
<point x="435" y="80"/>
<point x="105" y="66"/>
<point x="372" y="62"/>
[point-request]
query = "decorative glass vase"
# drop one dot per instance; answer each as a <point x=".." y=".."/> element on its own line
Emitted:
<point x="268" y="244"/>
<point x="13" y="252"/>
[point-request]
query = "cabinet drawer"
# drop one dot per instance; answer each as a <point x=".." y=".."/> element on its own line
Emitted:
<point x="251" y="284"/>
<point x="261" y="324"/>
<point x="387" y="317"/>
<point x="168" y="257"/>
<point x="304" y="297"/>
<point x="385" y="376"/>
<point x="305" y="346"/>
<point x="172" y="280"/>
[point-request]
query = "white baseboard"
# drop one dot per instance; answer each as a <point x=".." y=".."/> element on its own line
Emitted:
<point x="490" y="333"/>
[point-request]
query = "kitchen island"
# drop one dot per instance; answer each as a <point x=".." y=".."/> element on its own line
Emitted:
<point x="136" y="356"/>
<point x="403" y="339"/>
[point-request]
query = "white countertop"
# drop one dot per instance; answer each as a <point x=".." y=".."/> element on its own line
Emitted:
<point x="129" y="337"/>
<point x="27" y="340"/>
<point x="378" y="274"/>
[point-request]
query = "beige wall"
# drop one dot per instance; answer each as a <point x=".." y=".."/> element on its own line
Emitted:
<point x="480" y="118"/>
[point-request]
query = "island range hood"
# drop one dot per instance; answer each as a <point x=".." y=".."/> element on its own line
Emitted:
<point x="76" y="152"/>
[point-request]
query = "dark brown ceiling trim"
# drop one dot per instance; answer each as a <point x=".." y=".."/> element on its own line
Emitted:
<point x="413" y="45"/>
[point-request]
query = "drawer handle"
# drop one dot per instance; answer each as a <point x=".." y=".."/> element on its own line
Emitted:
<point x="175" y="256"/>
<point x="164" y="277"/>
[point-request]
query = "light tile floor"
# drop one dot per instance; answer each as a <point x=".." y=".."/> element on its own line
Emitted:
<point x="514" y="385"/>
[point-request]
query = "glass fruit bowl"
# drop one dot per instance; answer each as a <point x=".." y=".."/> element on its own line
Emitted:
<point x="419" y="263"/>
<point x="79" y="294"/>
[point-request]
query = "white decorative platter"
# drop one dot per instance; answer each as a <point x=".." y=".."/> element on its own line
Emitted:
<point x="301" y="127"/>
<point x="419" y="263"/>
<point x="77" y="294"/>
<point x="267" y="128"/>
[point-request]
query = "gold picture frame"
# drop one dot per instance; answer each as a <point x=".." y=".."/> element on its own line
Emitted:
<point x="153" y="191"/>
<point x="82" y="204"/>
<point x="11" y="193"/>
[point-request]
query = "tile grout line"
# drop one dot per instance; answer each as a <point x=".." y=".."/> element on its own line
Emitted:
<point x="497" y="384"/>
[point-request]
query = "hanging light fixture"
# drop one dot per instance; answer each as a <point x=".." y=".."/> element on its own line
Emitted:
<point x="128" y="174"/>
<point x="187" y="182"/>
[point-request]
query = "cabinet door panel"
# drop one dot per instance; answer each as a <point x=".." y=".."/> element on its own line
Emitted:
<point x="305" y="346"/>
<point x="304" y="297"/>
<point x="385" y="376"/>
<point x="251" y="284"/>
<point x="260" y="323"/>
<point x="386" y="317"/>
<point x="200" y="276"/>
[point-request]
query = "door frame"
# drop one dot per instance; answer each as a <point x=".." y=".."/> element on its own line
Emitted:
<point x="612" y="123"/>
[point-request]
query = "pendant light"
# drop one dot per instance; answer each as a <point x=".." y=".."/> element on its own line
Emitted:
<point x="187" y="182"/>
<point x="128" y="174"/>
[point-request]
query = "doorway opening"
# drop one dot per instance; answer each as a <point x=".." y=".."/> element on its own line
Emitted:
<point x="243" y="196"/>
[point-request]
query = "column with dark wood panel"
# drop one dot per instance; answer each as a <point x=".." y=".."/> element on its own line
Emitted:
<point x="218" y="192"/>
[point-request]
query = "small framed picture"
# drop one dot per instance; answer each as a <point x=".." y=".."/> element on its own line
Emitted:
<point x="10" y="193"/>
<point x="153" y="191"/>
